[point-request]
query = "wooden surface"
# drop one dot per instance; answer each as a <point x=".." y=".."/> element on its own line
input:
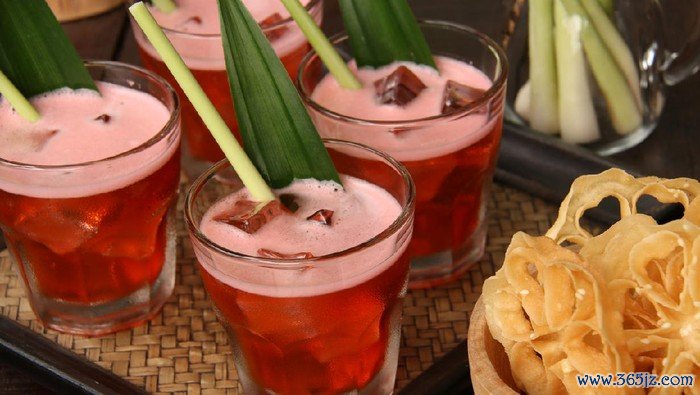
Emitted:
<point x="670" y="151"/>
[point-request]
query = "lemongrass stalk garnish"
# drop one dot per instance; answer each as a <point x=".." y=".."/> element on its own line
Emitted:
<point x="608" y="6"/>
<point x="330" y="57"/>
<point x="164" y="6"/>
<point x="20" y="103"/>
<point x="243" y="166"/>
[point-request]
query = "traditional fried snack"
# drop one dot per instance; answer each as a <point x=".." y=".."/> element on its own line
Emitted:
<point x="546" y="307"/>
<point x="625" y="300"/>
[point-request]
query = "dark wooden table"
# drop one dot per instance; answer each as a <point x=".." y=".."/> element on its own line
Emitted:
<point x="671" y="151"/>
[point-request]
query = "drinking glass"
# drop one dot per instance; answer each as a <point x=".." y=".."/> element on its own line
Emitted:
<point x="451" y="157"/>
<point x="328" y="324"/>
<point x="204" y="56"/>
<point x="99" y="261"/>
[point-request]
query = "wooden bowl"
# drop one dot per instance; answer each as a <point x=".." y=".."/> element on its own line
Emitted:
<point x="68" y="10"/>
<point x="488" y="362"/>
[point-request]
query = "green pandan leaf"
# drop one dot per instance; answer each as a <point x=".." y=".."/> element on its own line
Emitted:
<point x="384" y="31"/>
<point x="35" y="53"/>
<point x="278" y="134"/>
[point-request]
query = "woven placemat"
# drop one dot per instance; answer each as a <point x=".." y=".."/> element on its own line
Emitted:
<point x="185" y="350"/>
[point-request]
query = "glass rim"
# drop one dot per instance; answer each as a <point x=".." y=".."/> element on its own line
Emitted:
<point x="165" y="131"/>
<point x="496" y="87"/>
<point x="285" y="263"/>
<point x="265" y="29"/>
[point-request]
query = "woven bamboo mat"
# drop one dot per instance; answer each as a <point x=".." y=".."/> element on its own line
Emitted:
<point x="184" y="349"/>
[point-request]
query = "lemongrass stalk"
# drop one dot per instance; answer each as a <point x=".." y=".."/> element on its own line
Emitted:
<point x="20" y="103"/>
<point x="212" y="119"/>
<point x="164" y="6"/>
<point x="523" y="101"/>
<point x="330" y="57"/>
<point x="608" y="6"/>
<point x="616" y="45"/>
<point x="543" y="73"/>
<point x="577" y="117"/>
<point x="622" y="107"/>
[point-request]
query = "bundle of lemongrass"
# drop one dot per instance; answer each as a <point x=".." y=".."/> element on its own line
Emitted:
<point x="568" y="39"/>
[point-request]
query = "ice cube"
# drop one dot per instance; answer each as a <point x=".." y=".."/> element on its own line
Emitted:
<point x="290" y="202"/>
<point x="244" y="215"/>
<point x="22" y="141"/>
<point x="105" y="118"/>
<point x="321" y="216"/>
<point x="399" y="87"/>
<point x="276" y="33"/>
<point x="64" y="225"/>
<point x="265" y="253"/>
<point x="457" y="96"/>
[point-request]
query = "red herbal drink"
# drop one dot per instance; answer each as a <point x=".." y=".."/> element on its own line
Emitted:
<point x="312" y="300"/>
<point x="194" y="30"/>
<point x="445" y="127"/>
<point x="87" y="197"/>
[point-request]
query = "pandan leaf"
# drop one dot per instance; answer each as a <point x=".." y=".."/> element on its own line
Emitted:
<point x="277" y="132"/>
<point x="384" y="31"/>
<point x="35" y="53"/>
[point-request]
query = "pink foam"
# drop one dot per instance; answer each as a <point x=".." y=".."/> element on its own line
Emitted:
<point x="361" y="211"/>
<point x="135" y="118"/>
<point x="427" y="140"/>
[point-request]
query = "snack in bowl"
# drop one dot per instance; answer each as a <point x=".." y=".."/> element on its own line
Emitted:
<point x="627" y="300"/>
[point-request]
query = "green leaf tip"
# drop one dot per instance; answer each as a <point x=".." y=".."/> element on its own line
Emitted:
<point x="35" y="53"/>
<point x="384" y="31"/>
<point x="206" y="110"/>
<point x="277" y="131"/>
<point x="164" y="6"/>
<point x="330" y="57"/>
<point x="20" y="103"/>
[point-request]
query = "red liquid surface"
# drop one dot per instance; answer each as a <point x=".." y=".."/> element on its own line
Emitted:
<point x="96" y="248"/>
<point x="449" y="193"/>
<point x="202" y="145"/>
<point x="322" y="344"/>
